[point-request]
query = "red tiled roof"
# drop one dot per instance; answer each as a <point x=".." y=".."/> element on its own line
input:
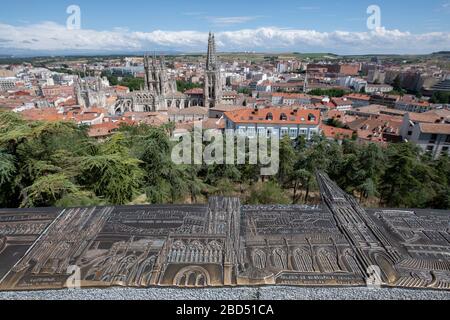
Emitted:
<point x="291" y="95"/>
<point x="341" y="102"/>
<point x="435" y="128"/>
<point x="430" y="116"/>
<point x="332" y="132"/>
<point x="102" y="130"/>
<point x="121" y="88"/>
<point x="358" y="96"/>
<point x="194" y="91"/>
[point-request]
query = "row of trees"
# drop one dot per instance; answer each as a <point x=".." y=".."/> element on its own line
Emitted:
<point x="57" y="164"/>
<point x="132" y="83"/>
<point x="183" y="86"/>
<point x="440" y="97"/>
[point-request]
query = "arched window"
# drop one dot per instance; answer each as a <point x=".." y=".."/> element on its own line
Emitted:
<point x="269" y="116"/>
<point x="192" y="276"/>
<point x="350" y="260"/>
<point x="283" y="117"/>
<point x="311" y="117"/>
<point x="259" y="259"/>
<point x="328" y="261"/>
<point x="279" y="259"/>
<point x="303" y="260"/>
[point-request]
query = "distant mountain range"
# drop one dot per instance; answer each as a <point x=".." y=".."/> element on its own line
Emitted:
<point x="19" y="55"/>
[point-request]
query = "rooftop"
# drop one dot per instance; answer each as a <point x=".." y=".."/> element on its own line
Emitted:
<point x="275" y="116"/>
<point x="435" y="128"/>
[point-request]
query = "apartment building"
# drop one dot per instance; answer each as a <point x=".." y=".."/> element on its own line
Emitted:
<point x="429" y="130"/>
<point x="279" y="122"/>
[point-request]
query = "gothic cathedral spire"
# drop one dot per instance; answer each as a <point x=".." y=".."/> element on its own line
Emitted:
<point x="213" y="83"/>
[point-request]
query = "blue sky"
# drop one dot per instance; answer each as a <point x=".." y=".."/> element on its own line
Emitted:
<point x="410" y="18"/>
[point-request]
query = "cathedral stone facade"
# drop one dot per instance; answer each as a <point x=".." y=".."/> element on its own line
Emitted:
<point x="159" y="93"/>
<point x="91" y="93"/>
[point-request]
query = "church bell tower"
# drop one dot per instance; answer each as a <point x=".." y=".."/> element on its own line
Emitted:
<point x="213" y="83"/>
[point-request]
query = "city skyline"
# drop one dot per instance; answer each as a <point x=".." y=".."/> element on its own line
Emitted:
<point x="303" y="26"/>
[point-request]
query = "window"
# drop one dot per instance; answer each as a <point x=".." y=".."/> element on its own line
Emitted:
<point x="241" y="130"/>
<point x="447" y="140"/>
<point x="409" y="133"/>
<point x="261" y="132"/>
<point x="251" y="131"/>
<point x="293" y="132"/>
<point x="284" y="132"/>
<point x="430" y="148"/>
<point x="269" y="116"/>
<point x="283" y="117"/>
<point x="303" y="132"/>
<point x="311" y="117"/>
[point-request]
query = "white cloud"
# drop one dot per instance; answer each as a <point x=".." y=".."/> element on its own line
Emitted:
<point x="227" y="21"/>
<point x="52" y="37"/>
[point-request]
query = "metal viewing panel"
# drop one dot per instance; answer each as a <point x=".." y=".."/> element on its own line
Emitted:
<point x="225" y="244"/>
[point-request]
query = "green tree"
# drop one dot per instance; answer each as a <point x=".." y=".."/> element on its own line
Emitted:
<point x="405" y="182"/>
<point x="287" y="158"/>
<point x="112" y="174"/>
<point x="183" y="86"/>
<point x="267" y="193"/>
<point x="332" y="93"/>
<point x="48" y="190"/>
<point x="441" y="184"/>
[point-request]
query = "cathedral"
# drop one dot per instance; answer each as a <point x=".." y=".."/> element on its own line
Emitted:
<point x="159" y="93"/>
<point x="91" y="93"/>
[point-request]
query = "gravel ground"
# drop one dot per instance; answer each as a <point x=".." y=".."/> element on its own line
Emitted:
<point x="264" y="293"/>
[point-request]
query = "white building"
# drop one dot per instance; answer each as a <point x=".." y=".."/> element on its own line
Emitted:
<point x="378" y="88"/>
<point x="429" y="130"/>
<point x="8" y="83"/>
<point x="356" y="84"/>
<point x="278" y="122"/>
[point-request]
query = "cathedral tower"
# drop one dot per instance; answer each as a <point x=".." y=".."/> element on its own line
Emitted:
<point x="213" y="83"/>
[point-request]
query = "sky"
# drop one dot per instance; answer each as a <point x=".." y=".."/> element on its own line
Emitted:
<point x="337" y="26"/>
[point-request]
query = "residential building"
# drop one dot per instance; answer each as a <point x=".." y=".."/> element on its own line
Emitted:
<point x="430" y="130"/>
<point x="358" y="100"/>
<point x="288" y="87"/>
<point x="289" y="99"/>
<point x="375" y="110"/>
<point x="388" y="100"/>
<point x="279" y="122"/>
<point x="187" y="114"/>
<point x="8" y="83"/>
<point x="433" y="138"/>
<point x="378" y="88"/>
<point x="342" y="104"/>
<point x="377" y="130"/>
<point x="58" y="91"/>
<point x="412" y="104"/>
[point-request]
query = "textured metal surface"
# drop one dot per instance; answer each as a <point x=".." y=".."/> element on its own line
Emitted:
<point x="225" y="244"/>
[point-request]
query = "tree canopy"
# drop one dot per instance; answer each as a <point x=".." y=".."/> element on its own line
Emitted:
<point x="57" y="164"/>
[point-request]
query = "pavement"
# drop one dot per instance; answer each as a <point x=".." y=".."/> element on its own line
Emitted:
<point x="242" y="293"/>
